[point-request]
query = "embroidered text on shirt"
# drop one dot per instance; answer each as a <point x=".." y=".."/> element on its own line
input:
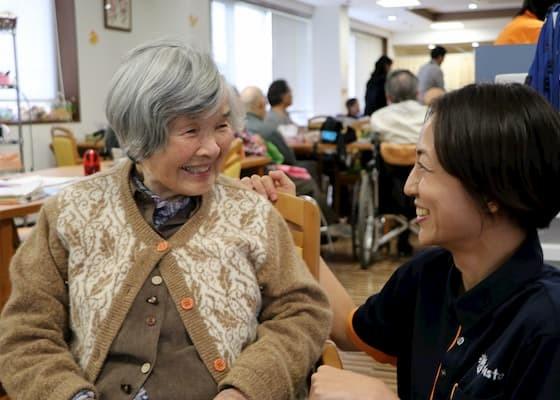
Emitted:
<point x="482" y="369"/>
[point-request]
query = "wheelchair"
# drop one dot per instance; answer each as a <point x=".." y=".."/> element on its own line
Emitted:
<point x="379" y="200"/>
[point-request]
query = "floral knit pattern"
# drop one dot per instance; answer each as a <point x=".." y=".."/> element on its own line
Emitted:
<point x="219" y="262"/>
<point x="98" y="264"/>
<point x="228" y="298"/>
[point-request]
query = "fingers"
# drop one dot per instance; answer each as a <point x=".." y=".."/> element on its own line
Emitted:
<point x="283" y="182"/>
<point x="268" y="185"/>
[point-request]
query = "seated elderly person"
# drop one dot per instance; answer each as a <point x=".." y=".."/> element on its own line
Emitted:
<point x="158" y="279"/>
<point x="402" y="119"/>
<point x="255" y="106"/>
<point x="400" y="122"/>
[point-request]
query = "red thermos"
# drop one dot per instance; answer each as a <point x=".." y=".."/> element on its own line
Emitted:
<point x="91" y="162"/>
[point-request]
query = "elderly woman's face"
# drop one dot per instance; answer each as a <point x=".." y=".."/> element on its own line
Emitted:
<point x="191" y="160"/>
<point x="447" y="214"/>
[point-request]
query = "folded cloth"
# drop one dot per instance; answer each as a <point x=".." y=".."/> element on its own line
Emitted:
<point x="294" y="172"/>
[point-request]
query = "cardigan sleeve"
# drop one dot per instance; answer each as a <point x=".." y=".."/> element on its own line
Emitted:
<point x="294" y="323"/>
<point x="35" y="360"/>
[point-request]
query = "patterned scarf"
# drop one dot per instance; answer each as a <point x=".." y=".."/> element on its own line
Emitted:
<point x="164" y="209"/>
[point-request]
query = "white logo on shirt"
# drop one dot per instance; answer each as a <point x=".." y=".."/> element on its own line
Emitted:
<point x="482" y="369"/>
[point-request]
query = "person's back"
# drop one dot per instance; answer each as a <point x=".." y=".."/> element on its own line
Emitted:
<point x="270" y="133"/>
<point x="401" y="121"/>
<point x="375" y="87"/>
<point x="525" y="28"/>
<point x="430" y="74"/>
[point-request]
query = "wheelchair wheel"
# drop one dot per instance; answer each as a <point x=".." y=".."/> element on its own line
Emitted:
<point x="366" y="229"/>
<point x="354" y="220"/>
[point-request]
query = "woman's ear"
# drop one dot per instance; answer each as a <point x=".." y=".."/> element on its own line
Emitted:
<point x="493" y="207"/>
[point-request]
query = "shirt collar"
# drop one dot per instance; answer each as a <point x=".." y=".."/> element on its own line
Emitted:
<point x="165" y="209"/>
<point x="524" y="266"/>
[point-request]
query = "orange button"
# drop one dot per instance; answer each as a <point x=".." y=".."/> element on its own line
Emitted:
<point x="187" y="303"/>
<point x="162" y="246"/>
<point x="219" y="364"/>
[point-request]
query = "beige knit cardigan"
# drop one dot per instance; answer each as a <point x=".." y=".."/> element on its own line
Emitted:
<point x="73" y="281"/>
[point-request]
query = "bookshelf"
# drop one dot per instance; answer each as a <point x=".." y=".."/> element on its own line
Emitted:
<point x="8" y="26"/>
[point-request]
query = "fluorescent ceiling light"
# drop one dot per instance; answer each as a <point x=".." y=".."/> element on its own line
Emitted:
<point x="445" y="26"/>
<point x="431" y="46"/>
<point x="475" y="44"/>
<point x="392" y="17"/>
<point x="473" y="6"/>
<point x="398" y="3"/>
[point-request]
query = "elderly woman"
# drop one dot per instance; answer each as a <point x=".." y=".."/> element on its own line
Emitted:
<point x="159" y="279"/>
<point x="476" y="317"/>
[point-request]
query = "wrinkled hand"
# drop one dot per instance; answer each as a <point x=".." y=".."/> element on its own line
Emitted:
<point x="329" y="383"/>
<point x="270" y="185"/>
<point x="230" y="394"/>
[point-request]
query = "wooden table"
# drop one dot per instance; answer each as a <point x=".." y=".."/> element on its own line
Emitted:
<point x="10" y="211"/>
<point x="307" y="148"/>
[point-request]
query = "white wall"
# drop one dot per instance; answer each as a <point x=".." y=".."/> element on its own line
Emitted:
<point x="97" y="63"/>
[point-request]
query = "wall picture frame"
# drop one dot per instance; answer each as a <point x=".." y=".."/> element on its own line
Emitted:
<point x="117" y="14"/>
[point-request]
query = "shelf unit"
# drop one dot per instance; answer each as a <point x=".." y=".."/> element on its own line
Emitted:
<point x="8" y="25"/>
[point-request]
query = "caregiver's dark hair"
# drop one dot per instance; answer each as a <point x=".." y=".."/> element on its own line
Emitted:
<point x="503" y="143"/>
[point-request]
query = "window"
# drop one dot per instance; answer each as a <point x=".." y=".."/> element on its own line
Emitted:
<point x="242" y="44"/>
<point x="253" y="45"/>
<point x="40" y="80"/>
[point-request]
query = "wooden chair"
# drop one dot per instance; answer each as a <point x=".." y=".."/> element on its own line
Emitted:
<point x="314" y="123"/>
<point x="64" y="147"/>
<point x="303" y="218"/>
<point x="232" y="162"/>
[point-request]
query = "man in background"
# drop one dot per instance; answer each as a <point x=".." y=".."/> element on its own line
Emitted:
<point x="280" y="98"/>
<point x="401" y="121"/>
<point x="430" y="75"/>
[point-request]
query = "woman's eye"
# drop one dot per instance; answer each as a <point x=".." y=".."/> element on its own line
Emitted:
<point x="223" y="126"/>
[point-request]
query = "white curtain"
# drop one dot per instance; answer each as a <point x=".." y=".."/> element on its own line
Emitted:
<point x="291" y="60"/>
<point x="364" y="50"/>
<point x="242" y="43"/>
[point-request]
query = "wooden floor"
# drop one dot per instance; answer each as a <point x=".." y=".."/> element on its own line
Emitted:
<point x="361" y="284"/>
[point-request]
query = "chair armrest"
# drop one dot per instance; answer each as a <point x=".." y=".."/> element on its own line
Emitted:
<point x="330" y="355"/>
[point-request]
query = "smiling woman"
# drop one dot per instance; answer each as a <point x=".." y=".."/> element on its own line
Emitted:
<point x="160" y="278"/>
<point x="476" y="317"/>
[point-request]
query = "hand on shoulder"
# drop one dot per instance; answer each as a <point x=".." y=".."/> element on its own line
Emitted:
<point x="270" y="185"/>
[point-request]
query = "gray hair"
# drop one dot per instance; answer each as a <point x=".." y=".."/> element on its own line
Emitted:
<point x="401" y="85"/>
<point x="158" y="82"/>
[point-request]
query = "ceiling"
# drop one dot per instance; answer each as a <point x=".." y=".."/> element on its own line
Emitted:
<point x="419" y="17"/>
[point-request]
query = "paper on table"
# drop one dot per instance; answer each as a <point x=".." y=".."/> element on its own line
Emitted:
<point x="29" y="188"/>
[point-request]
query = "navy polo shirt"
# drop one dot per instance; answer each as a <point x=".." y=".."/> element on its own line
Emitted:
<point x="499" y="340"/>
